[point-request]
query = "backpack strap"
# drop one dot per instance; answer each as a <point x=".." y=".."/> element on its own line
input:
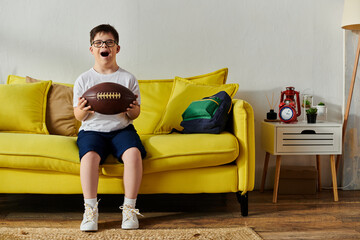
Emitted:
<point x="175" y="130"/>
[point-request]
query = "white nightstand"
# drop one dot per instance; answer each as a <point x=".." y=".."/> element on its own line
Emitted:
<point x="301" y="138"/>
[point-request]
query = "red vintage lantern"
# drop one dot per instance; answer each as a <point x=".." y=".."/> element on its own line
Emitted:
<point x="289" y="108"/>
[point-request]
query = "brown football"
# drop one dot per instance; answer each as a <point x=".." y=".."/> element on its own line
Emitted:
<point x="109" y="98"/>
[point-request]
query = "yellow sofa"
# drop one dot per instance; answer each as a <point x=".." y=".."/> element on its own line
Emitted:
<point x="35" y="160"/>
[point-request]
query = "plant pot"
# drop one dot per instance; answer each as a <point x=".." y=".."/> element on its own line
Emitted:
<point x="311" y="118"/>
<point x="321" y="112"/>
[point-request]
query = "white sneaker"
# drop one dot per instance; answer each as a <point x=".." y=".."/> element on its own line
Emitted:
<point x="90" y="219"/>
<point x="129" y="218"/>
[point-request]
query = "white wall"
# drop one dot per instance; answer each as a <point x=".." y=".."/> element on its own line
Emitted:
<point x="266" y="44"/>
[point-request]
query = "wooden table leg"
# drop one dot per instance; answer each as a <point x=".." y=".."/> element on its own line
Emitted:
<point x="334" y="180"/>
<point x="318" y="166"/>
<point x="277" y="177"/>
<point x="263" y="179"/>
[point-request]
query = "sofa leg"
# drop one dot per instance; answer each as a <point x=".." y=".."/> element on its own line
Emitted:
<point x="243" y="200"/>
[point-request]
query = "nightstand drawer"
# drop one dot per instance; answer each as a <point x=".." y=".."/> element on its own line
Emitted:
<point x="308" y="139"/>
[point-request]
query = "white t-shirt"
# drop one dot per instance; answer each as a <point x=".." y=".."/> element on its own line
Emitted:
<point x="101" y="122"/>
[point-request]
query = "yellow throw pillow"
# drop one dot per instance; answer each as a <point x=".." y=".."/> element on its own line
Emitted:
<point x="183" y="93"/>
<point x="217" y="77"/>
<point x="155" y="95"/>
<point x="13" y="79"/>
<point x="60" y="119"/>
<point x="23" y="107"/>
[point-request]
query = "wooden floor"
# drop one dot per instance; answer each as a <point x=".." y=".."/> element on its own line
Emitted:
<point x="293" y="217"/>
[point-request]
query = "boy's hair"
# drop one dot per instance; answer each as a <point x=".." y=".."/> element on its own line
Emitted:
<point x="106" y="28"/>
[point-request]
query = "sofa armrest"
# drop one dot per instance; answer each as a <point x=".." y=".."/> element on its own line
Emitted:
<point x="242" y="126"/>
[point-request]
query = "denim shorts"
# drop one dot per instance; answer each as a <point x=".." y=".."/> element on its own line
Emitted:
<point x="105" y="143"/>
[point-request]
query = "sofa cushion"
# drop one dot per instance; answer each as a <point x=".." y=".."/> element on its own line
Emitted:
<point x="155" y="95"/>
<point x="60" y="119"/>
<point x="39" y="152"/>
<point x="164" y="152"/>
<point x="182" y="151"/>
<point x="24" y="107"/>
<point x="183" y="93"/>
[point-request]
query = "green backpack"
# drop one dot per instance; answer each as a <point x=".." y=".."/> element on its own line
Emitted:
<point x="208" y="115"/>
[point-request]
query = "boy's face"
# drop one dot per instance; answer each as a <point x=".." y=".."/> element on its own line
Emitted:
<point x="104" y="54"/>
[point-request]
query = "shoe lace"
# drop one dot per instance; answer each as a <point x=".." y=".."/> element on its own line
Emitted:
<point x="90" y="212"/>
<point x="130" y="212"/>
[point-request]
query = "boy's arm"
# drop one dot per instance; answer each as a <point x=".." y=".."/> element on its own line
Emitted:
<point x="81" y="112"/>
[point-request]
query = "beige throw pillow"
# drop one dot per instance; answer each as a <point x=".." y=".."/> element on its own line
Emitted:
<point x="60" y="119"/>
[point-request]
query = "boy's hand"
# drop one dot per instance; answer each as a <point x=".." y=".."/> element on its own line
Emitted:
<point x="132" y="106"/>
<point x="82" y="105"/>
<point x="133" y="110"/>
<point x="82" y="111"/>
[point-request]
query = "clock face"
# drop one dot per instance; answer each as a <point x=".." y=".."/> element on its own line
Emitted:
<point x="286" y="113"/>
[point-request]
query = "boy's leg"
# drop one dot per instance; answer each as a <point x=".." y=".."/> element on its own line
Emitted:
<point x="133" y="170"/>
<point x="132" y="179"/>
<point x="127" y="147"/>
<point x="92" y="149"/>
<point x="89" y="174"/>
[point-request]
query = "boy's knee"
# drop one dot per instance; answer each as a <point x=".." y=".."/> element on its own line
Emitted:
<point x="91" y="156"/>
<point x="131" y="154"/>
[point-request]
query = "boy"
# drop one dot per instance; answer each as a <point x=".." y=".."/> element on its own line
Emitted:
<point x="101" y="135"/>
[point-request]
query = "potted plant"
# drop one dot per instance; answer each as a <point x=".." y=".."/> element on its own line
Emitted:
<point x="321" y="111"/>
<point x="311" y="114"/>
<point x="306" y="104"/>
<point x="307" y="101"/>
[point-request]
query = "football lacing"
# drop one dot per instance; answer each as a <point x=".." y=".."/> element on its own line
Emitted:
<point x="108" y="95"/>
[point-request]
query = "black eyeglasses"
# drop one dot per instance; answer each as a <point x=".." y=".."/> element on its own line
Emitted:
<point x="99" y="43"/>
